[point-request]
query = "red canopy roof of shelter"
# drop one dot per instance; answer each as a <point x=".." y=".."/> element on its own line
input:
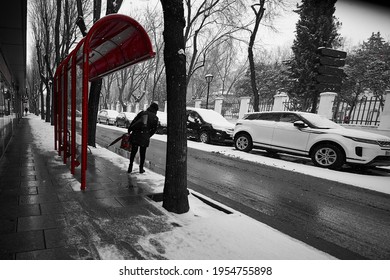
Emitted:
<point x="115" y="42"/>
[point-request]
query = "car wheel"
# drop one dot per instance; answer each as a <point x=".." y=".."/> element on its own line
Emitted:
<point x="243" y="142"/>
<point x="328" y="156"/>
<point x="204" y="137"/>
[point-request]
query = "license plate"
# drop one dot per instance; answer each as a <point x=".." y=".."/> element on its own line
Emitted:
<point x="387" y="153"/>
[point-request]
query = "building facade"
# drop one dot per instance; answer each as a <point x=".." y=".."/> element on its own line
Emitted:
<point x="13" y="25"/>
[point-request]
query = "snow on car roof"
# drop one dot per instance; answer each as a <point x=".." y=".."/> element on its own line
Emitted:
<point x="210" y="116"/>
<point x="130" y="114"/>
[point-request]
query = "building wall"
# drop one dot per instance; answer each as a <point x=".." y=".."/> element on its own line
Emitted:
<point x="6" y="131"/>
<point x="13" y="25"/>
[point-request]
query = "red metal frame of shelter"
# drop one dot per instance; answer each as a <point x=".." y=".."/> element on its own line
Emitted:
<point x="113" y="43"/>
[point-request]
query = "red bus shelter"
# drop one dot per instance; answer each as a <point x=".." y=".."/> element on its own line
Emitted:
<point x="113" y="43"/>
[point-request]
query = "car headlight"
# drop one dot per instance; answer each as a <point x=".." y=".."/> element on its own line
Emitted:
<point x="220" y="128"/>
<point x="362" y="140"/>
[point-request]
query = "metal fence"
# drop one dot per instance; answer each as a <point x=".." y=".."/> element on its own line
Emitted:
<point x="365" y="111"/>
<point x="264" y="106"/>
<point x="230" y="110"/>
<point x="294" y="105"/>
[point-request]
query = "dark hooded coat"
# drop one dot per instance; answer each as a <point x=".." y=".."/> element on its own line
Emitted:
<point x="143" y="127"/>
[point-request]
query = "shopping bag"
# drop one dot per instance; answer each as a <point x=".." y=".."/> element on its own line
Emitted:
<point x="125" y="142"/>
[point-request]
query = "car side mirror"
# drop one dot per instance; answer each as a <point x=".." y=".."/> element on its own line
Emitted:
<point x="300" y="124"/>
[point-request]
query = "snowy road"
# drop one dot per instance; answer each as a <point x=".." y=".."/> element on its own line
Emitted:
<point x="342" y="220"/>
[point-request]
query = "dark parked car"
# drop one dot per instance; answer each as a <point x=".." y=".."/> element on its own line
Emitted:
<point x="124" y="119"/>
<point x="208" y="126"/>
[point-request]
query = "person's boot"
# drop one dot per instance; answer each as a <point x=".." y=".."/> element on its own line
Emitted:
<point x="141" y="169"/>
<point x="130" y="168"/>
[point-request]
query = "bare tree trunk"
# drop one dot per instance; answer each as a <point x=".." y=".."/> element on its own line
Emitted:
<point x="175" y="187"/>
<point x="94" y="94"/>
<point x="96" y="85"/>
<point x="49" y="91"/>
<point x="97" y="7"/>
<point x="57" y="53"/>
<point x="42" y="101"/>
<point x="95" y="89"/>
<point x="259" y="15"/>
<point x="314" y="104"/>
<point x="57" y="33"/>
<point x="253" y="79"/>
<point x="113" y="6"/>
<point x="48" y="103"/>
<point x="80" y="19"/>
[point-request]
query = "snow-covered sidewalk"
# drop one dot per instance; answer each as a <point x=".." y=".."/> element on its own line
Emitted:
<point x="204" y="232"/>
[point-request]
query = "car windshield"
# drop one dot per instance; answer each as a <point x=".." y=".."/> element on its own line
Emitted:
<point x="320" y="121"/>
<point x="211" y="116"/>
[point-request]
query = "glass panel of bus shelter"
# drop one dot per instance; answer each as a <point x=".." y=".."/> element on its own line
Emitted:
<point x="79" y="110"/>
<point x="69" y="109"/>
<point x="61" y="113"/>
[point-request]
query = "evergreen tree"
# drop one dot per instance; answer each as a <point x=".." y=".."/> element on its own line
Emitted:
<point x="367" y="68"/>
<point x="316" y="27"/>
<point x="376" y="54"/>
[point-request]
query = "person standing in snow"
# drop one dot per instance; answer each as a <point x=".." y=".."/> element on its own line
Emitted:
<point x="142" y="128"/>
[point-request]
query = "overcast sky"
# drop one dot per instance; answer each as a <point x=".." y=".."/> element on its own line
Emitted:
<point x="359" y="19"/>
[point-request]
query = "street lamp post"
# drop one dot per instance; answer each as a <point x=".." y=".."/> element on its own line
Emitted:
<point x="209" y="78"/>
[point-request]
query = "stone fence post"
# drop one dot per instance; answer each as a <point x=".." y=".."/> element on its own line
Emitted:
<point x="218" y="104"/>
<point x="279" y="99"/>
<point x="326" y="104"/>
<point x="244" y="106"/>
<point x="197" y="103"/>
<point x="384" y="123"/>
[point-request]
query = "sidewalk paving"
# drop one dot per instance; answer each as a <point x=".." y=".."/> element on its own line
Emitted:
<point x="44" y="215"/>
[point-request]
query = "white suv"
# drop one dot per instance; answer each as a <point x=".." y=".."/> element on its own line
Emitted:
<point x="328" y="144"/>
